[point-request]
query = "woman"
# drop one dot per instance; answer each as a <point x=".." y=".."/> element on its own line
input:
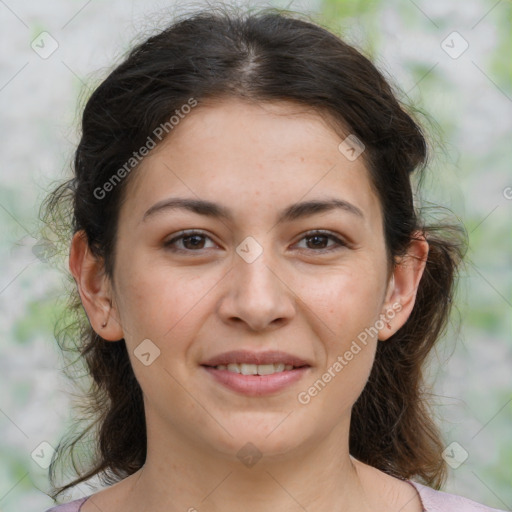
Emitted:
<point x="261" y="294"/>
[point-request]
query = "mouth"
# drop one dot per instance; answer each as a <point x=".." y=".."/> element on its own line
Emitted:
<point x="256" y="374"/>
<point x="247" y="358"/>
<point x="255" y="369"/>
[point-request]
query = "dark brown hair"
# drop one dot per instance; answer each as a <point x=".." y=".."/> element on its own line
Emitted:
<point x="270" y="55"/>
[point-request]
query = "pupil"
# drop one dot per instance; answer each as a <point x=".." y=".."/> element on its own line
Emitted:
<point x="317" y="237"/>
<point x="191" y="237"/>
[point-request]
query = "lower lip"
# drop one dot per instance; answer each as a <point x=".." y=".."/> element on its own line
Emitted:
<point x="257" y="385"/>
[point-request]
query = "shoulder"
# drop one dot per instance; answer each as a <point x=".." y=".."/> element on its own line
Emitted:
<point x="439" y="501"/>
<point x="72" y="506"/>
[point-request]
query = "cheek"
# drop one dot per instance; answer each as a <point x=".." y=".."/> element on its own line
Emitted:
<point x="156" y="302"/>
<point x="346" y="305"/>
<point x="344" y="310"/>
<point x="347" y="300"/>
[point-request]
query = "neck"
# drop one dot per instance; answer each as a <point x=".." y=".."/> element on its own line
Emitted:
<point x="182" y="475"/>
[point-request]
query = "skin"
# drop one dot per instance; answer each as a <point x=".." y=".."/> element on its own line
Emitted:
<point x="255" y="159"/>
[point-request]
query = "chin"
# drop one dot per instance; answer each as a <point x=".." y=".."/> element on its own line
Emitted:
<point x="268" y="439"/>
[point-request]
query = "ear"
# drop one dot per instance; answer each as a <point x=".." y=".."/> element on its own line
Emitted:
<point x="403" y="286"/>
<point x="94" y="288"/>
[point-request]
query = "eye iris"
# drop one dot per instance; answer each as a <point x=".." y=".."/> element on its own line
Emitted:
<point x="323" y="239"/>
<point x="197" y="244"/>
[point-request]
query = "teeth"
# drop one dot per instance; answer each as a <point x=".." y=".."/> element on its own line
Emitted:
<point x="255" y="369"/>
<point x="248" y="369"/>
<point x="269" y="369"/>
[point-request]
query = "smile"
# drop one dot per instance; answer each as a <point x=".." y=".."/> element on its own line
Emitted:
<point x="255" y="369"/>
<point x="256" y="380"/>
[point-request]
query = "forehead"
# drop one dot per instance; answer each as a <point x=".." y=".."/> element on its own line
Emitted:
<point x="252" y="157"/>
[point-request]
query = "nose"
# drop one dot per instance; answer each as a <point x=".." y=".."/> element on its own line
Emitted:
<point x="257" y="295"/>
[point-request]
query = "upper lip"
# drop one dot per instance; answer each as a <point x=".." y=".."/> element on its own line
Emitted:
<point x="248" y="357"/>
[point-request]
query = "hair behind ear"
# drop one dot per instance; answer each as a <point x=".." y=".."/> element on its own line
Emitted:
<point x="391" y="426"/>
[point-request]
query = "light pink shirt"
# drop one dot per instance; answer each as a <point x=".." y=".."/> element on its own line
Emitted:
<point x="432" y="501"/>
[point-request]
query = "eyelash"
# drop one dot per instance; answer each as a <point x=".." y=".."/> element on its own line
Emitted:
<point x="310" y="234"/>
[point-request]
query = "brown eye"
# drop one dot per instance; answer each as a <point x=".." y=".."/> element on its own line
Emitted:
<point x="190" y="241"/>
<point x="317" y="241"/>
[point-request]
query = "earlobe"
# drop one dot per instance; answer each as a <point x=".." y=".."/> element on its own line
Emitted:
<point x="94" y="288"/>
<point x="403" y="286"/>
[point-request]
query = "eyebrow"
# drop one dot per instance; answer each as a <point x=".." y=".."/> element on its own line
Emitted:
<point x="214" y="210"/>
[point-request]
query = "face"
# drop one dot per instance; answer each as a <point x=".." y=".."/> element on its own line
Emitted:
<point x="266" y="276"/>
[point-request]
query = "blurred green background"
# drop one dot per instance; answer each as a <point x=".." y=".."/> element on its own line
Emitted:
<point x="449" y="58"/>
